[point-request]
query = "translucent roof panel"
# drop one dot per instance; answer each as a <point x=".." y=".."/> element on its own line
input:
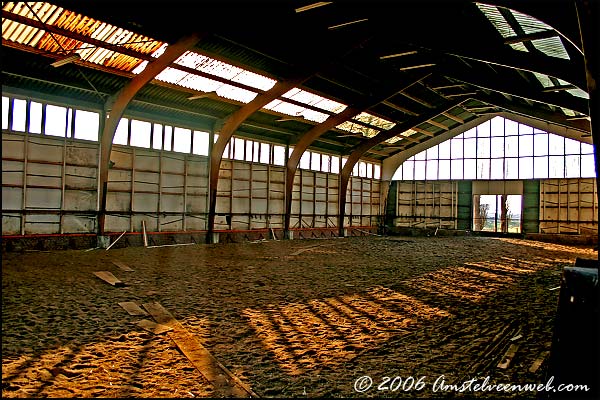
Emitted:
<point x="401" y="136"/>
<point x="495" y="17"/>
<point x="352" y="126"/>
<point x="547" y="83"/>
<point x="315" y="100"/>
<point x="296" y="111"/>
<point x="213" y="67"/>
<point x="72" y="22"/>
<point x="552" y="46"/>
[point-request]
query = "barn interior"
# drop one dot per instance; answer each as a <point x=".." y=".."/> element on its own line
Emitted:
<point x="300" y="199"/>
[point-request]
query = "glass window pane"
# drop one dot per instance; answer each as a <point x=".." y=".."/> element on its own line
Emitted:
<point x="483" y="130"/>
<point x="121" y="132"/>
<point x="432" y="170"/>
<point x="20" y="113"/>
<point x="511" y="145"/>
<point x="264" y="153"/>
<point x="540" y="167"/>
<point x="525" y="146"/>
<point x="227" y="149"/>
<point x="369" y="170"/>
<point x="419" y="170"/>
<point x="511" y="168"/>
<point x="470" y="169"/>
<point x="540" y="144"/>
<point x="588" y="167"/>
<point x="278" y="155"/>
<point x="444" y="169"/>
<point x="470" y="150"/>
<point x="572" y="146"/>
<point x="444" y="150"/>
<point x="335" y="164"/>
<point x="511" y="128"/>
<point x="315" y="162"/>
<point x="35" y="118"/>
<point x="87" y="125"/>
<point x="556" y="144"/>
<point x="483" y="168"/>
<point x="471" y="133"/>
<point x="56" y="120"/>
<point x="325" y="159"/>
<point x="140" y="133"/>
<point x="525" y="130"/>
<point x="572" y="166"/>
<point x="157" y="137"/>
<point x="483" y="148"/>
<point x="497" y="147"/>
<point x="305" y="160"/>
<point x="497" y="169"/>
<point x="587" y="148"/>
<point x="168" y="144"/>
<point x="397" y="176"/>
<point x="355" y="170"/>
<point x="432" y="153"/>
<point x="456" y="169"/>
<point x="376" y="172"/>
<point x="5" y="104"/>
<point x="255" y="152"/>
<point x="497" y="126"/>
<point x="238" y="148"/>
<point x="200" y="145"/>
<point x="526" y="168"/>
<point x="182" y="140"/>
<point x="420" y="156"/>
<point x="248" y="156"/>
<point x="344" y="159"/>
<point x="408" y="170"/>
<point x="557" y="167"/>
<point x="456" y="147"/>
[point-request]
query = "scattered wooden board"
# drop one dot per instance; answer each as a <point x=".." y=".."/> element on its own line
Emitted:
<point x="309" y="248"/>
<point x="225" y="382"/>
<point x="109" y="278"/>
<point x="122" y="265"/>
<point x="508" y="356"/>
<point x="132" y="308"/>
<point x="153" y="327"/>
<point x="538" y="362"/>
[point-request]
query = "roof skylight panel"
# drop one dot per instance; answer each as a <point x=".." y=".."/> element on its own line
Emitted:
<point x="552" y="47"/>
<point x="497" y="19"/>
<point x="314" y="100"/>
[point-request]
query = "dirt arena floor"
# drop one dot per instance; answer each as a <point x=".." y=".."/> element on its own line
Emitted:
<point x="304" y="318"/>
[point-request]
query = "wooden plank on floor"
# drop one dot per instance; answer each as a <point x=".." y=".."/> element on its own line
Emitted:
<point x="538" y="362"/>
<point x="508" y="356"/>
<point x="122" y="265"/>
<point x="109" y="278"/>
<point x="132" y="308"/>
<point x="226" y="383"/>
<point x="153" y="327"/>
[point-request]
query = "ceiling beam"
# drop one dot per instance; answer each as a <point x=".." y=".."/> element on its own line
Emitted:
<point x="531" y="36"/>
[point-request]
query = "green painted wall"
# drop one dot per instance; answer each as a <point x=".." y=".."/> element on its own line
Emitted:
<point x="531" y="206"/>
<point x="465" y="205"/>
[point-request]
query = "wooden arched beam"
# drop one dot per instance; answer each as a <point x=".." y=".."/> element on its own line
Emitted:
<point x="365" y="146"/>
<point x="230" y="125"/>
<point x="314" y="133"/>
<point x="116" y="105"/>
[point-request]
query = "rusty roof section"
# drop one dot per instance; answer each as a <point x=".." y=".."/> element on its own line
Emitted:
<point x="42" y="15"/>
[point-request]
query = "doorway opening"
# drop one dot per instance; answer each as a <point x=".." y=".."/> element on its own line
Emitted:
<point x="497" y="213"/>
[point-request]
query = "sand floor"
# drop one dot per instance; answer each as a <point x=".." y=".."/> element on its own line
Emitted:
<point x="302" y="318"/>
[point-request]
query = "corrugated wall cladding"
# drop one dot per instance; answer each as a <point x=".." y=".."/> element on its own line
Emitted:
<point x="50" y="186"/>
<point x="569" y="206"/>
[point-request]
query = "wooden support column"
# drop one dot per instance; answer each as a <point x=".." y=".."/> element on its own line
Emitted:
<point x="117" y="104"/>
<point x="314" y="133"/>
<point x="227" y="130"/>
<point x="365" y="146"/>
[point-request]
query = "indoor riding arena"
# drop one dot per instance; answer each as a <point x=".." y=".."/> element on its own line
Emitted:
<point x="300" y="199"/>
